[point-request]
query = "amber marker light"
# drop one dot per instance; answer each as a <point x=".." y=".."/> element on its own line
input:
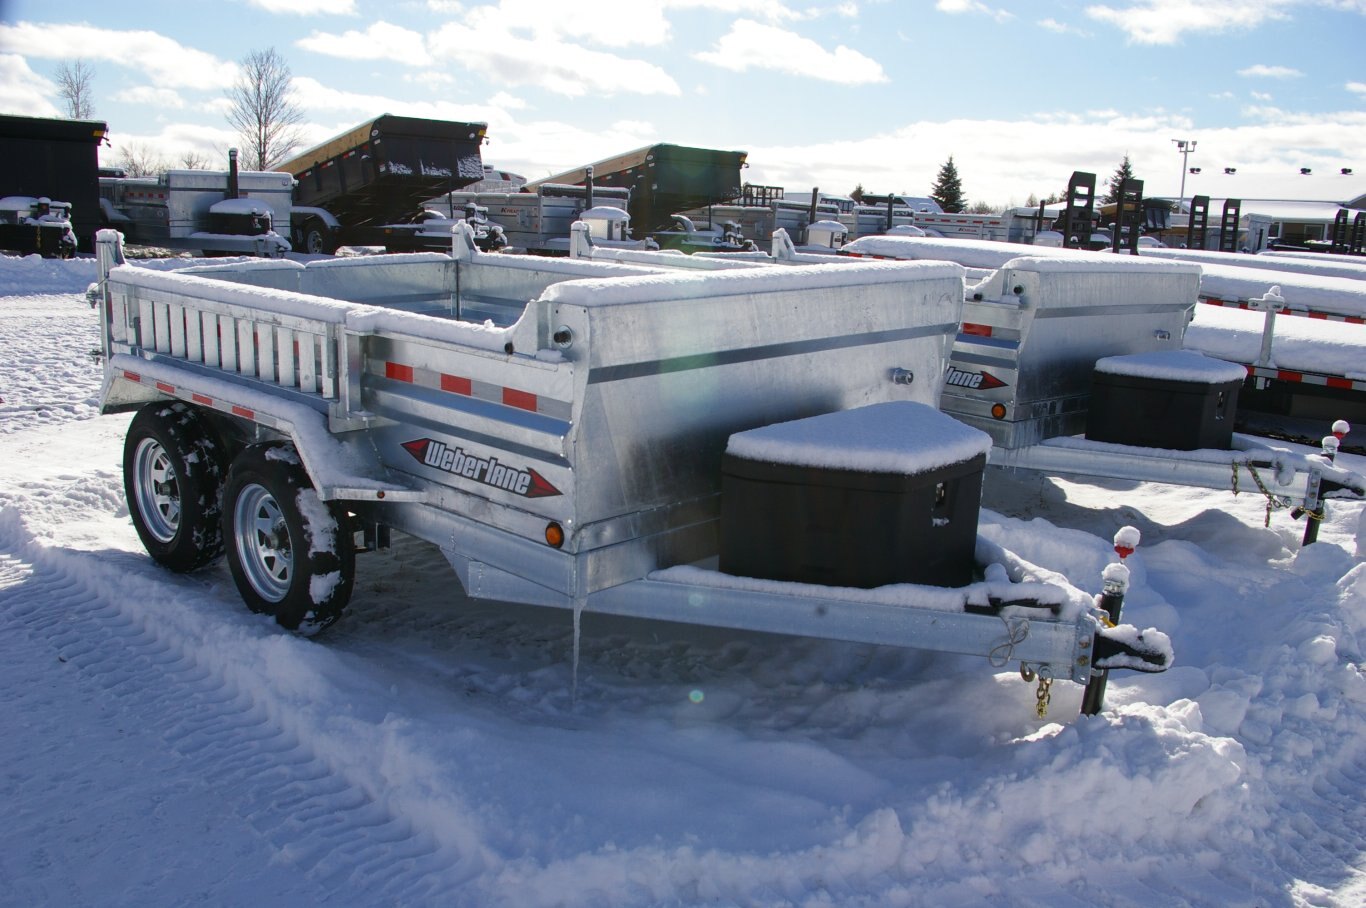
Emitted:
<point x="554" y="534"/>
<point x="998" y="411"/>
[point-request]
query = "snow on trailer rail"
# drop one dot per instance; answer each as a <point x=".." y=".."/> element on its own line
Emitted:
<point x="562" y="448"/>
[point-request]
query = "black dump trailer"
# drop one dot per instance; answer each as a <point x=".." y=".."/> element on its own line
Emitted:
<point x="367" y="186"/>
<point x="58" y="160"/>
<point x="664" y="180"/>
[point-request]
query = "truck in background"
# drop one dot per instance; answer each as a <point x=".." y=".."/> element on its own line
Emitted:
<point x="204" y="211"/>
<point x="371" y="185"/>
<point x="53" y="159"/>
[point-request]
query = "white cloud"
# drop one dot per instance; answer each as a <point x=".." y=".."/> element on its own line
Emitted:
<point x="1061" y="28"/>
<point x="295" y="8"/>
<point x="605" y="23"/>
<point x="430" y="79"/>
<point x="507" y="102"/>
<point x="1262" y="71"/>
<point x="164" y="61"/>
<point x="150" y="96"/>
<point x="753" y="45"/>
<point x="972" y="6"/>
<point x="562" y="67"/>
<point x="1356" y="87"/>
<point x="22" y="91"/>
<point x="768" y="10"/>
<point x="1166" y="21"/>
<point x="1261" y="96"/>
<point x="908" y="158"/>
<point x="380" y="41"/>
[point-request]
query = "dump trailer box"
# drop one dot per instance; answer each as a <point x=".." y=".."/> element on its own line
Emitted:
<point x="1035" y="325"/>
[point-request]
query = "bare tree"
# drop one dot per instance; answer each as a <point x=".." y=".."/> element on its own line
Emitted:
<point x="194" y="160"/>
<point x="73" y="87"/>
<point x="263" y="110"/>
<point x="139" y="160"/>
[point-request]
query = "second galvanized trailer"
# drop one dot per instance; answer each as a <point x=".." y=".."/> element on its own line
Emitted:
<point x="556" y="427"/>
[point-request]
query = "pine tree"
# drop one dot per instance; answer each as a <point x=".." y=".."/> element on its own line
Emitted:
<point x="1124" y="172"/>
<point x="948" y="189"/>
<point x="857" y="194"/>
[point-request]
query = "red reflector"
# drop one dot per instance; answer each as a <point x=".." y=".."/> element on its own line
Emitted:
<point x="1287" y="375"/>
<point x="163" y="386"/>
<point x="131" y="376"/>
<point x="520" y="399"/>
<point x="1344" y="383"/>
<point x="202" y="399"/>
<point x="977" y="330"/>
<point x="456" y="385"/>
<point x="243" y="412"/>
<point x="398" y="372"/>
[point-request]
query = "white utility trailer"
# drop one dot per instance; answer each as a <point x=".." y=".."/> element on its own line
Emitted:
<point x="556" y="427"/>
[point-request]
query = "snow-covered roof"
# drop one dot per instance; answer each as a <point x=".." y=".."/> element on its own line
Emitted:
<point x="1284" y="210"/>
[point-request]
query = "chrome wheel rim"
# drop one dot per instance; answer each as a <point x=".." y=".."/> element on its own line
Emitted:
<point x="156" y="490"/>
<point x="263" y="546"/>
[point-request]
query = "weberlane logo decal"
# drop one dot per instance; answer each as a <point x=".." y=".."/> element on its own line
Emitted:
<point x="977" y="381"/>
<point x="484" y="470"/>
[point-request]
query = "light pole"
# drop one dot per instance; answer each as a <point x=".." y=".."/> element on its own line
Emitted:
<point x="1185" y="146"/>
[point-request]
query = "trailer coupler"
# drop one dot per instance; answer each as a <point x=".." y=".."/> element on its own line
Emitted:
<point x="1127" y="647"/>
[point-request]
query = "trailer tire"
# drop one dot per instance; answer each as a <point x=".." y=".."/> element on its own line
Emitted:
<point x="173" y="481"/>
<point x="290" y="552"/>
<point x="317" y="239"/>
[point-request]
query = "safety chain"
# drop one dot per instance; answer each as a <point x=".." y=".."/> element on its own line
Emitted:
<point x="1044" y="693"/>
<point x="1273" y="502"/>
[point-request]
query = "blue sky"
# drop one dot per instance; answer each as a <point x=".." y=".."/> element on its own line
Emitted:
<point x="827" y="93"/>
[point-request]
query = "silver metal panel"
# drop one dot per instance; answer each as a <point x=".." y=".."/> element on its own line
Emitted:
<point x="1203" y="469"/>
<point x="1060" y="647"/>
<point x="1037" y="331"/>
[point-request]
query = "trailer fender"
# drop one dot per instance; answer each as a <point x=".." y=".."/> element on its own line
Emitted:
<point x="337" y="469"/>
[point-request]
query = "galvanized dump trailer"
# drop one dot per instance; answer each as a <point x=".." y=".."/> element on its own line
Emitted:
<point x="556" y="427"/>
<point x="1034" y="324"/>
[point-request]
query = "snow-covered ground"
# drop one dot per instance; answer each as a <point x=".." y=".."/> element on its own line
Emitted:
<point x="163" y="746"/>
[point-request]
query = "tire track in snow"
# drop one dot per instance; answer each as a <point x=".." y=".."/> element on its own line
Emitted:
<point x="331" y="830"/>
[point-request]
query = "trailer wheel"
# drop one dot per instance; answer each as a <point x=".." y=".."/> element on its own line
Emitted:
<point x="289" y="551"/>
<point x="173" y="481"/>
<point x="317" y="239"/>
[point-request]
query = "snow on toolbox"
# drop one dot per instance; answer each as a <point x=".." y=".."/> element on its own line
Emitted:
<point x="563" y="448"/>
